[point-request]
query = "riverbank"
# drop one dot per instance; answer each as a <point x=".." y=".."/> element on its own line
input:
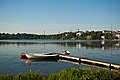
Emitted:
<point x="68" y="74"/>
<point x="88" y="35"/>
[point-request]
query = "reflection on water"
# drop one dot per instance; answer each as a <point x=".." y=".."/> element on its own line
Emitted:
<point x="93" y="45"/>
<point x="10" y="51"/>
<point x="30" y="61"/>
<point x="79" y="44"/>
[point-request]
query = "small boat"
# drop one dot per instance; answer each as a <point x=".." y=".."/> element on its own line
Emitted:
<point x="66" y="53"/>
<point x="41" y="56"/>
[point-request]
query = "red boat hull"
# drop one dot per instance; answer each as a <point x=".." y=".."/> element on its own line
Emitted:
<point x="22" y="55"/>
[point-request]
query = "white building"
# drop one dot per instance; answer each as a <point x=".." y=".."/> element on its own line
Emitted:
<point x="79" y="33"/>
<point x="114" y="32"/>
<point x="103" y="37"/>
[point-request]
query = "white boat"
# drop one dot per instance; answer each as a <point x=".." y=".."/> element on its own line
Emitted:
<point x="42" y="56"/>
<point x="66" y="53"/>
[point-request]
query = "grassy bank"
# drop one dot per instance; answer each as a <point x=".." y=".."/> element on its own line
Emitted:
<point x="68" y="74"/>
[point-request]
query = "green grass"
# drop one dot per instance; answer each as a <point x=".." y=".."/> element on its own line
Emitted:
<point x="68" y="74"/>
<point x="23" y="76"/>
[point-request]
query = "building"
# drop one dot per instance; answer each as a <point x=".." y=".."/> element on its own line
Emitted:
<point x="114" y="32"/>
<point x="79" y="33"/>
<point x="102" y="37"/>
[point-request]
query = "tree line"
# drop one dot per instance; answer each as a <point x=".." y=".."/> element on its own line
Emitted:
<point x="97" y="35"/>
<point x="88" y="35"/>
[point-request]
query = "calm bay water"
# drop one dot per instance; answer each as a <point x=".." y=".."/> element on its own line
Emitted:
<point x="10" y="51"/>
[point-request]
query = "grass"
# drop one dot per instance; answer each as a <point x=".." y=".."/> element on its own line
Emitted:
<point x="68" y="74"/>
<point x="23" y="76"/>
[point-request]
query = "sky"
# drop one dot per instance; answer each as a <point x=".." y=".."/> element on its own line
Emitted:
<point x="55" y="16"/>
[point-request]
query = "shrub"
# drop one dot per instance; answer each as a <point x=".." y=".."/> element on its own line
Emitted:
<point x="68" y="74"/>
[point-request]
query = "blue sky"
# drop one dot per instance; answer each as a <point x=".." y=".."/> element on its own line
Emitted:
<point x="53" y="16"/>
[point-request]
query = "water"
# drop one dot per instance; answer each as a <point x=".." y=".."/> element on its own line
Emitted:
<point x="10" y="51"/>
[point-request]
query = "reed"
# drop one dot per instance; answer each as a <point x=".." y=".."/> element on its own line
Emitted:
<point x="67" y="74"/>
